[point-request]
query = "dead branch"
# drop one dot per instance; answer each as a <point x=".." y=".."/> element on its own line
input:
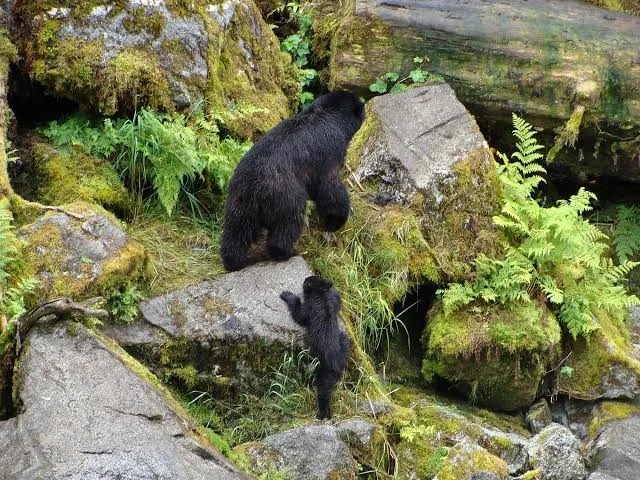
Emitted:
<point x="58" y="307"/>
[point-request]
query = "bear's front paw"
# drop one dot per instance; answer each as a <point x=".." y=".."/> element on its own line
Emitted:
<point x="288" y="297"/>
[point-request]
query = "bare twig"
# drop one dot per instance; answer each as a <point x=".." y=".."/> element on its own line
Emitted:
<point x="59" y="307"/>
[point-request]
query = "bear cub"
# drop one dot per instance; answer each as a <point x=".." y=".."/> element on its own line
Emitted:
<point x="317" y="312"/>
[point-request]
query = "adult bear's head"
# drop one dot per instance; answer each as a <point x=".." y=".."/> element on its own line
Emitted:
<point x="346" y="105"/>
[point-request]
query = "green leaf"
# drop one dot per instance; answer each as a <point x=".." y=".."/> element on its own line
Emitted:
<point x="379" y="86"/>
<point x="418" y="75"/>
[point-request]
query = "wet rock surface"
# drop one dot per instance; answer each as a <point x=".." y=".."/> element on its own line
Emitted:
<point x="234" y="327"/>
<point x="410" y="157"/>
<point x="313" y="452"/>
<point x="86" y="416"/>
<point x="615" y="455"/>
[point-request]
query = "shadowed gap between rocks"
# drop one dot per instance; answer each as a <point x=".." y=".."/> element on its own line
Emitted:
<point x="400" y="360"/>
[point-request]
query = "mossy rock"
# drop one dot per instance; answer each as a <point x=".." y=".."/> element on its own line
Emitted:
<point x="226" y="336"/>
<point x="466" y="459"/>
<point x="605" y="365"/>
<point x="427" y="427"/>
<point x="496" y="355"/>
<point x="625" y="6"/>
<point x="70" y="176"/>
<point x="608" y="411"/>
<point x="80" y="257"/>
<point x="438" y="166"/>
<point x="114" y="58"/>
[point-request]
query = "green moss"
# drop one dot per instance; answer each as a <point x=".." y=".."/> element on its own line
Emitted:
<point x="139" y="20"/>
<point x="368" y="37"/>
<point x="568" y="134"/>
<point x="259" y="97"/>
<point x="522" y="329"/>
<point x="465" y="459"/>
<point x="625" y="6"/>
<point x="510" y="346"/>
<point x="458" y="226"/>
<point x="133" y="77"/>
<point x="592" y="359"/>
<point x="609" y="411"/>
<point x="66" y="177"/>
<point x="129" y="264"/>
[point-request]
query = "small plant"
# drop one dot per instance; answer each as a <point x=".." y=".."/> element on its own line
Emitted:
<point x="123" y="303"/>
<point x="550" y="253"/>
<point x="13" y="288"/>
<point x="299" y="46"/>
<point x="392" y="83"/>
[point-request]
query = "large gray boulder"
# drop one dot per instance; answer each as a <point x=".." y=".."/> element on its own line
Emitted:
<point x="615" y="455"/>
<point x="423" y="150"/>
<point x="87" y="416"/>
<point x="165" y="54"/>
<point x="232" y="330"/>
<point x="414" y="156"/>
<point x="313" y="452"/>
<point x="555" y="451"/>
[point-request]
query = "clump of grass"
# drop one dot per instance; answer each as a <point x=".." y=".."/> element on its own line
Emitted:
<point x="183" y="250"/>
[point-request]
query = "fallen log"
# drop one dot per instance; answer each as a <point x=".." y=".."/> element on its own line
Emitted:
<point x="550" y="60"/>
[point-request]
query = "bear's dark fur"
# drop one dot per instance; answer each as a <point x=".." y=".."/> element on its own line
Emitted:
<point x="327" y="341"/>
<point x="298" y="160"/>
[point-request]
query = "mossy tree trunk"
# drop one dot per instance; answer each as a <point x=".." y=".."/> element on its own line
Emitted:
<point x="543" y="59"/>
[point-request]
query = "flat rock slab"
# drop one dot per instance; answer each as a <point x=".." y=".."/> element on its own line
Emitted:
<point x="86" y="416"/>
<point x="235" y="324"/>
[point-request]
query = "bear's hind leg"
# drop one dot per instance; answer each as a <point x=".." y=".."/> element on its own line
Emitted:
<point x="282" y="234"/>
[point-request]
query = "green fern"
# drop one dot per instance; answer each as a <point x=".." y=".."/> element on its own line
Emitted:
<point x="12" y="288"/>
<point x="552" y="250"/>
<point x="157" y="153"/>
<point x="626" y="235"/>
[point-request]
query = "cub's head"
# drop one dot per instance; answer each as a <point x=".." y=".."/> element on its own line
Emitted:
<point x="316" y="284"/>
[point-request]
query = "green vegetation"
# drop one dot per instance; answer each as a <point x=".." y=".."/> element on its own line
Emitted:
<point x="550" y="254"/>
<point x="165" y="152"/>
<point x="626" y="233"/>
<point x="417" y="75"/>
<point x="299" y="46"/>
<point x="13" y="286"/>
<point x="123" y="302"/>
<point x="288" y="400"/>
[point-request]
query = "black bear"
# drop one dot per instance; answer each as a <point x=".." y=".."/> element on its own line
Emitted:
<point x="327" y="341"/>
<point x="298" y="160"/>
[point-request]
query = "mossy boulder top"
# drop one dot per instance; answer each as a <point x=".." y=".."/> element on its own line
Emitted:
<point x="82" y="255"/>
<point x="87" y="415"/>
<point x="114" y="57"/>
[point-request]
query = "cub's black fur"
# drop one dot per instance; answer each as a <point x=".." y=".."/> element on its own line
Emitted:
<point x="298" y="160"/>
<point x="328" y="342"/>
